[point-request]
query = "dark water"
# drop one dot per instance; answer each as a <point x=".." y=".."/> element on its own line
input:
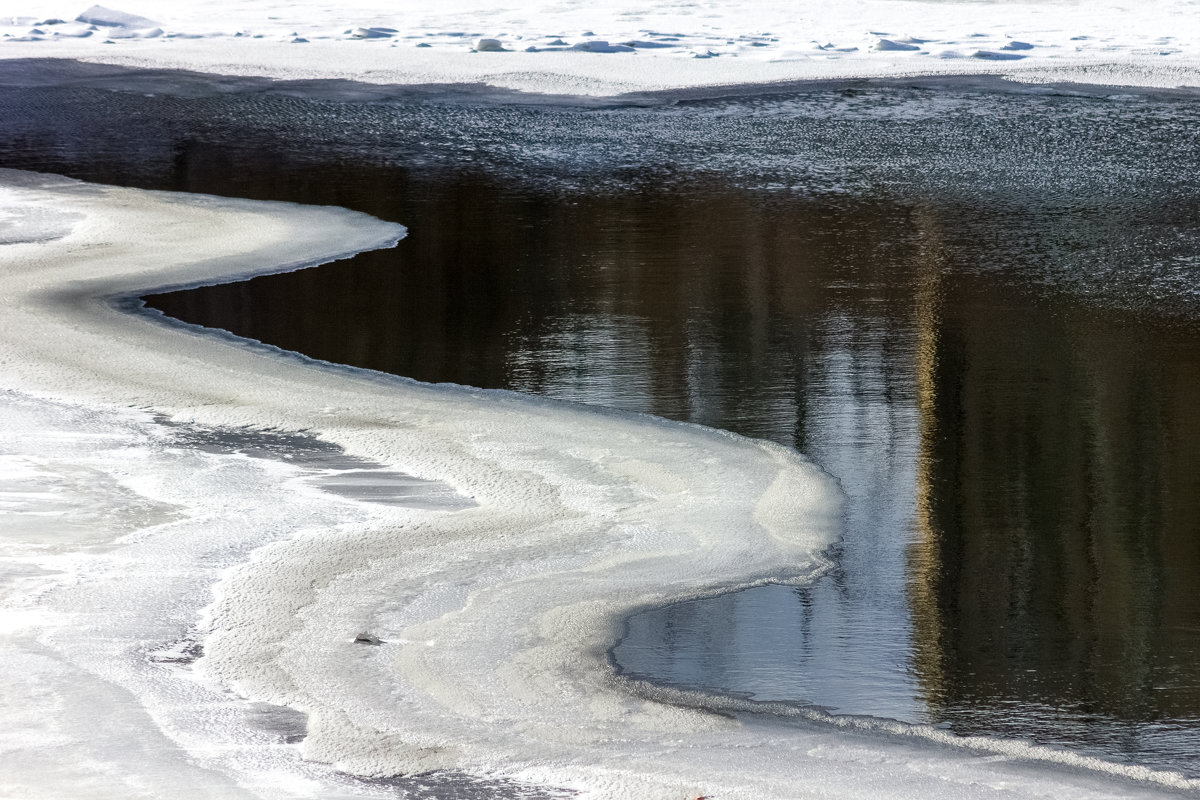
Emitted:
<point x="979" y="311"/>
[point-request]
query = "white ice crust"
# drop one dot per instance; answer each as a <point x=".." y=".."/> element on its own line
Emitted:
<point x="122" y="549"/>
<point x="610" y="47"/>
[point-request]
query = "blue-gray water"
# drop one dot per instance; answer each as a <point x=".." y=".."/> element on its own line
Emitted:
<point x="978" y="310"/>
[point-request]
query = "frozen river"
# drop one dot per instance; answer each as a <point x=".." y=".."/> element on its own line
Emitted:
<point x="976" y="310"/>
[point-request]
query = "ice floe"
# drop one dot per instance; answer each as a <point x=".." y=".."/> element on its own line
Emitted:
<point x="888" y="45"/>
<point x="99" y="15"/>
<point x="487" y="46"/>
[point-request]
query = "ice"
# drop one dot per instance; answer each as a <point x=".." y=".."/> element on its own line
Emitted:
<point x="991" y="55"/>
<point x="77" y="30"/>
<point x="199" y="602"/>
<point x="886" y="45"/>
<point x="488" y="46"/>
<point x="601" y="46"/>
<point x="373" y="33"/>
<point x="31" y="221"/>
<point x="99" y="15"/>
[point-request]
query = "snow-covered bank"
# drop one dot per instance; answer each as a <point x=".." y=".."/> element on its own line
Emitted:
<point x="494" y="618"/>
<point x="614" y="47"/>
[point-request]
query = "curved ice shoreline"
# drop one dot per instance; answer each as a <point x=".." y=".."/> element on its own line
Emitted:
<point x="496" y="619"/>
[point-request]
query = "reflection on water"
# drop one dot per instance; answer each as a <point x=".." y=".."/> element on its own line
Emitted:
<point x="992" y="340"/>
<point x="1057" y="556"/>
<point x="706" y="309"/>
<point x="1052" y="573"/>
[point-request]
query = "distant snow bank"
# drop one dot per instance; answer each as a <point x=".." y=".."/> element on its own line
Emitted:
<point x="611" y="47"/>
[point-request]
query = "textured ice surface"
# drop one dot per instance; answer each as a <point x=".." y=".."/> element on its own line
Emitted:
<point x="615" y="46"/>
<point x="24" y="220"/>
<point x="215" y="595"/>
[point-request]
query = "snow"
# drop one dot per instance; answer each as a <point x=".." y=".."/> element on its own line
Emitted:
<point x="573" y="49"/>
